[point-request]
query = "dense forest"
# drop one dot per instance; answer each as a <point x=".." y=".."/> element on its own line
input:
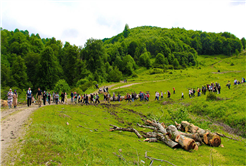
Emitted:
<point x="27" y="60"/>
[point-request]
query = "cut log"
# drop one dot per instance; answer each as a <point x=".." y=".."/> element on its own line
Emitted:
<point x="194" y="136"/>
<point x="162" y="137"/>
<point x="167" y="140"/>
<point x="125" y="129"/>
<point x="207" y="137"/>
<point x="185" y="142"/>
<point x="150" y="135"/>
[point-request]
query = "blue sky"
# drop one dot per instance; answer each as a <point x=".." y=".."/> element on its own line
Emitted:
<point x="77" y="21"/>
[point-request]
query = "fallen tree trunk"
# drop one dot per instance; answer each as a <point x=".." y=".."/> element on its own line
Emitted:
<point x="161" y="137"/>
<point x="194" y="136"/>
<point x="207" y="137"/>
<point x="125" y="129"/>
<point x="185" y="142"/>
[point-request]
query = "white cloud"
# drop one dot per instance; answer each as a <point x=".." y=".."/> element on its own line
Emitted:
<point x="77" y="21"/>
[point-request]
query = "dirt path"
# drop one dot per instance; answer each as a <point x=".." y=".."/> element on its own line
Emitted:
<point x="128" y="85"/>
<point x="13" y="126"/>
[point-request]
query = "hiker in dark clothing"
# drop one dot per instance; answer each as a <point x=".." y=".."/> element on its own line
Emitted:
<point x="97" y="99"/>
<point x="118" y="97"/>
<point x="44" y="97"/>
<point x="168" y="94"/>
<point x="219" y="88"/>
<point x="29" y="97"/>
<point x="92" y="98"/>
<point x="86" y="99"/>
<point x="71" y="97"/>
<point x="62" y="97"/>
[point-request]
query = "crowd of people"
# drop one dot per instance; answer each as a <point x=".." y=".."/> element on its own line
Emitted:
<point x="94" y="97"/>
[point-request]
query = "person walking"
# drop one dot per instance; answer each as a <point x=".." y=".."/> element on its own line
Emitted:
<point x="119" y="97"/>
<point x="66" y="98"/>
<point x="108" y="97"/>
<point x="62" y="97"/>
<point x="15" y="97"/>
<point x="29" y="97"/>
<point x="161" y="95"/>
<point x="10" y="98"/>
<point x="53" y="95"/>
<point x="168" y="94"/>
<point x="86" y="99"/>
<point x="56" y="97"/>
<point x="49" y="97"/>
<point x="97" y="99"/>
<point x="219" y="88"/>
<point x="71" y="97"/>
<point x="44" y="97"/>
<point x="182" y="97"/>
<point x="173" y="90"/>
<point x="39" y="96"/>
<point x="75" y="97"/>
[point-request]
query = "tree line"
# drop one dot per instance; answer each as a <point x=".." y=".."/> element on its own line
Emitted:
<point x="27" y="60"/>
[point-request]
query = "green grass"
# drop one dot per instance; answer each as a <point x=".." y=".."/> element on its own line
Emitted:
<point x="87" y="139"/>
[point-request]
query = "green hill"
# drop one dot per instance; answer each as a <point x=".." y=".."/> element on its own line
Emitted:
<point x="88" y="141"/>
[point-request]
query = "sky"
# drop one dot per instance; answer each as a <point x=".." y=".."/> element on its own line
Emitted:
<point x="77" y="21"/>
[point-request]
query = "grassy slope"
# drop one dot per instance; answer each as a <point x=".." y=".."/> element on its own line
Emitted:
<point x="87" y="140"/>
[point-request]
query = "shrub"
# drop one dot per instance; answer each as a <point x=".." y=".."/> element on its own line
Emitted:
<point x="211" y="96"/>
<point x="232" y="64"/>
<point x="134" y="75"/>
<point x="156" y="71"/>
<point x="81" y="82"/>
<point x="179" y="115"/>
<point x="218" y="70"/>
<point x="170" y="72"/>
<point x="61" y="86"/>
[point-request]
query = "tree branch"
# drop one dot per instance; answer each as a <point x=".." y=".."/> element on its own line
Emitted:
<point x="157" y="159"/>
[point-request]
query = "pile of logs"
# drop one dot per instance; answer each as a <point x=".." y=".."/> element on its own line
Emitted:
<point x="185" y="135"/>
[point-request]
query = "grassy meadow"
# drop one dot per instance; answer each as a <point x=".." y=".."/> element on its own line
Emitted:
<point x="79" y="134"/>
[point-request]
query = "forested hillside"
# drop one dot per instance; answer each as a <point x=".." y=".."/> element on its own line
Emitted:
<point x="27" y="60"/>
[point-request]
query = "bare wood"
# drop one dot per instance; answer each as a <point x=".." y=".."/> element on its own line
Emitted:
<point x="223" y="135"/>
<point x="208" y="137"/>
<point x="167" y="140"/>
<point x="125" y="129"/>
<point x="194" y="136"/>
<point x="151" y="140"/>
<point x="185" y="142"/>
<point x="150" y="135"/>
<point x="162" y="136"/>
<point x="150" y="158"/>
<point x="149" y="127"/>
<point x="157" y="125"/>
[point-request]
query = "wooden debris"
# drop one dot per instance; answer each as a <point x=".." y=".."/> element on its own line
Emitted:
<point x="185" y="142"/>
<point x="149" y="127"/>
<point x="223" y="135"/>
<point x="207" y="137"/>
<point x="126" y="129"/>
<point x="150" y="158"/>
